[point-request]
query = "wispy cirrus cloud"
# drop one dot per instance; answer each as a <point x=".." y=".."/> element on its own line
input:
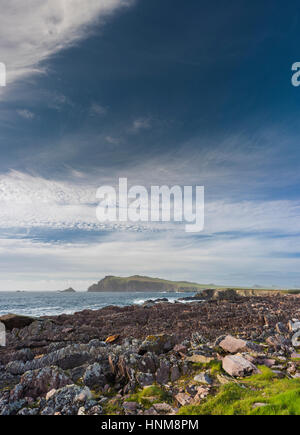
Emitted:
<point x="26" y="114"/>
<point x="32" y="31"/>
<point x="32" y="201"/>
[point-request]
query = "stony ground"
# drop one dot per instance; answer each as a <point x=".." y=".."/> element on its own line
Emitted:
<point x="160" y="358"/>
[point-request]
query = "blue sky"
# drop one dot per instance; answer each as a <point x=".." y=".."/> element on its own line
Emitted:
<point x="162" y="92"/>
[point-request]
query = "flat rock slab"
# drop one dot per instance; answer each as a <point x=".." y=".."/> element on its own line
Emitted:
<point x="233" y="345"/>
<point x="203" y="378"/>
<point x="296" y="339"/>
<point x="294" y="326"/>
<point x="12" y="321"/>
<point x="183" y="399"/>
<point x="237" y="366"/>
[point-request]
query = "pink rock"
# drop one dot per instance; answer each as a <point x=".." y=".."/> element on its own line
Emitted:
<point x="237" y="366"/>
<point x="163" y="408"/>
<point x="233" y="345"/>
<point x="183" y="399"/>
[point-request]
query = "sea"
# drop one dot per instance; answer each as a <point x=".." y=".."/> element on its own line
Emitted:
<point x="38" y="304"/>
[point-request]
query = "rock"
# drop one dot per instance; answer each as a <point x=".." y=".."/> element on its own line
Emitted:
<point x="237" y="366"/>
<point x="163" y="408"/>
<point x="15" y="367"/>
<point x="163" y="373"/>
<point x="38" y="382"/>
<point x="180" y="348"/>
<point x="130" y="406"/>
<point x="268" y="362"/>
<point x="219" y="339"/>
<point x="69" y="290"/>
<point x="77" y="373"/>
<point x="233" y="345"/>
<point x="13" y="408"/>
<point x="95" y="410"/>
<point x="175" y="373"/>
<point x="81" y="411"/>
<point x="63" y="401"/>
<point x="198" y="338"/>
<point x="278" y="342"/>
<point x="151" y="411"/>
<point x="295" y="339"/>
<point x="12" y="321"/>
<point x="201" y="359"/>
<point x="48" y="411"/>
<point x="183" y="399"/>
<point x="222" y="294"/>
<point x="84" y="395"/>
<point x="157" y="344"/>
<point x="28" y="411"/>
<point x="292" y="368"/>
<point x="50" y="394"/>
<point x="202" y="393"/>
<point x="281" y="328"/>
<point x="203" y="378"/>
<point x="94" y="376"/>
<point x="24" y="355"/>
<point x="294" y="326"/>
<point x="145" y="379"/>
<point x="66" y="358"/>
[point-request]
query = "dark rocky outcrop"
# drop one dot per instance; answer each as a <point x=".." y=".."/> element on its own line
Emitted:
<point x="235" y="294"/>
<point x="12" y="321"/>
<point x="69" y="290"/>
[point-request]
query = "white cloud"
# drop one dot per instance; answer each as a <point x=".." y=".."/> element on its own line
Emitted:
<point x="112" y="140"/>
<point x="26" y="114"/>
<point x="246" y="242"/>
<point x="32" y="31"/>
<point x="141" y="124"/>
<point x="33" y="201"/>
<point x="245" y="261"/>
<point x="98" y="110"/>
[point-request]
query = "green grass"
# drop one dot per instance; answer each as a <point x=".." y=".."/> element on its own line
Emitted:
<point x="214" y="367"/>
<point x="281" y="396"/>
<point x="150" y="395"/>
<point x="113" y="407"/>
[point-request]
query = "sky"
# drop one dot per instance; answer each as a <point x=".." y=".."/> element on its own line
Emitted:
<point x="162" y="93"/>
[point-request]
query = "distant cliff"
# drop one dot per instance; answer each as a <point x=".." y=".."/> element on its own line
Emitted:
<point x="142" y="284"/>
<point x="234" y="294"/>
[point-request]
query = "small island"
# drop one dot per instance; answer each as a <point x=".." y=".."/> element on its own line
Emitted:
<point x="69" y="290"/>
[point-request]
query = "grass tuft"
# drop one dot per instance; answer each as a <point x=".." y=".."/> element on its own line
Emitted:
<point x="280" y="396"/>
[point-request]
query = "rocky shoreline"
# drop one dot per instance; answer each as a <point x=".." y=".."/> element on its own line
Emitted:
<point x="156" y="359"/>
